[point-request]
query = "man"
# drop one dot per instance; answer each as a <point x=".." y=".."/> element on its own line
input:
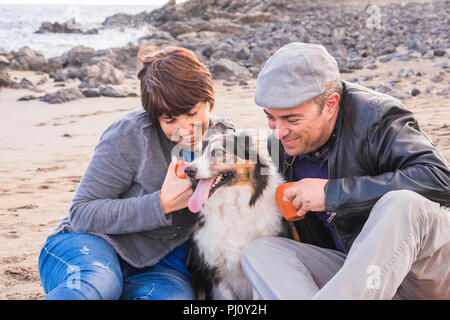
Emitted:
<point x="372" y="189"/>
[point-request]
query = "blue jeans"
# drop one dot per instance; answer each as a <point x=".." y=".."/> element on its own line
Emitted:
<point x="78" y="266"/>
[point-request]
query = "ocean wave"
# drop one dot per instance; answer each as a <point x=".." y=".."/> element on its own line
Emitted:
<point x="18" y="24"/>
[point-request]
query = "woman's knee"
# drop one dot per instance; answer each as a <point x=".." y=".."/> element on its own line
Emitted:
<point x="101" y="282"/>
<point x="80" y="266"/>
<point x="161" y="284"/>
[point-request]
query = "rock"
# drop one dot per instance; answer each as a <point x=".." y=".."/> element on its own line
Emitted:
<point x="428" y="55"/>
<point x="66" y="135"/>
<point x="438" y="77"/>
<point x="29" y="59"/>
<point x="50" y="27"/>
<point x="4" y="61"/>
<point x="23" y="84"/>
<point x="258" y="56"/>
<point x="403" y="73"/>
<point x="385" y="59"/>
<point x="177" y="28"/>
<point x="225" y="68"/>
<point x="207" y="51"/>
<point x="116" y="91"/>
<point x="62" y="95"/>
<point x="28" y="97"/>
<point x="71" y="26"/>
<point x="120" y="20"/>
<point x="371" y="66"/>
<point x="383" y="88"/>
<point x="440" y="52"/>
<point x="243" y="53"/>
<point x="443" y="93"/>
<point x="5" y="80"/>
<point x="59" y="62"/>
<point x="387" y="50"/>
<point x="91" y="93"/>
<point x="58" y="76"/>
<point x="255" y="18"/>
<point x="100" y="73"/>
<point x="79" y="55"/>
<point x="415" y="92"/>
<point x="158" y="35"/>
<point x="91" y="31"/>
<point x="42" y="81"/>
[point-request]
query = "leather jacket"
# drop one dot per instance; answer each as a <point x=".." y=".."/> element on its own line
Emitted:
<point x="377" y="146"/>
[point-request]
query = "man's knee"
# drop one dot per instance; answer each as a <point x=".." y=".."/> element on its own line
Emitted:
<point x="401" y="205"/>
<point x="257" y="250"/>
<point x="403" y="196"/>
<point x="404" y="201"/>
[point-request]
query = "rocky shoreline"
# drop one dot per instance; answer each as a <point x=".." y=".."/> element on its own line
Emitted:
<point x="234" y="38"/>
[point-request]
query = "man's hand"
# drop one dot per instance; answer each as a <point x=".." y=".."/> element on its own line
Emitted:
<point x="307" y="195"/>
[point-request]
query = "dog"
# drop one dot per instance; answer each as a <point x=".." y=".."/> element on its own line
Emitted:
<point x="234" y="193"/>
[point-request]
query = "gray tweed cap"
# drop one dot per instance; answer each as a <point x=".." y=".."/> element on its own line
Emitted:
<point x="295" y="74"/>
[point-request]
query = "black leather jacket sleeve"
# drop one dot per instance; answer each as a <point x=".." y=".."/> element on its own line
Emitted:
<point x="400" y="156"/>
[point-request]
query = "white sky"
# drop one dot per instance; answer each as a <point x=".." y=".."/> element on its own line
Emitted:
<point x="89" y="2"/>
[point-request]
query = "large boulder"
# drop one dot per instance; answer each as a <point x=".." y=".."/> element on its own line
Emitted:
<point x="29" y="59"/>
<point x="225" y="68"/>
<point x="116" y="91"/>
<point x="100" y="73"/>
<point x="5" y="79"/>
<point x="71" y="26"/>
<point x="79" y="55"/>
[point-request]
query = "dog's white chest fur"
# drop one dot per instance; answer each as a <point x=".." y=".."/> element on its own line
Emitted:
<point x="230" y="224"/>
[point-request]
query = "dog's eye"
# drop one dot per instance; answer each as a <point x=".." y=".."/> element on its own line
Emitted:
<point x="216" y="153"/>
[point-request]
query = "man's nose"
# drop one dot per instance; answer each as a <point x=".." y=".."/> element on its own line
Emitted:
<point x="190" y="171"/>
<point x="280" y="131"/>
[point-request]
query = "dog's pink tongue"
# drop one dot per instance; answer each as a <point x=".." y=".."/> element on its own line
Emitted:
<point x="200" y="195"/>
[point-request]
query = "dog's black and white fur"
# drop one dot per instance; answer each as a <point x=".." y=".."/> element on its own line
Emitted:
<point x="241" y="207"/>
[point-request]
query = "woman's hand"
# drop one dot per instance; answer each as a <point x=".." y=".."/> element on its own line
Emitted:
<point x="175" y="192"/>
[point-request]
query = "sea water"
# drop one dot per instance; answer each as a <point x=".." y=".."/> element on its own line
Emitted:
<point x="18" y="24"/>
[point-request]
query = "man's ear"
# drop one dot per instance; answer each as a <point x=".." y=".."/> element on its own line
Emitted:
<point x="332" y="103"/>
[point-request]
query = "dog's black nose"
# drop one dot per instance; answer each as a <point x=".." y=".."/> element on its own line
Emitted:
<point x="190" y="171"/>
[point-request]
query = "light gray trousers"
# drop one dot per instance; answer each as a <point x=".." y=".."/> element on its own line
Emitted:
<point x="402" y="252"/>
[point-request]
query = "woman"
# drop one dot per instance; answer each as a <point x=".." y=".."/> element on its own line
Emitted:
<point x="126" y="235"/>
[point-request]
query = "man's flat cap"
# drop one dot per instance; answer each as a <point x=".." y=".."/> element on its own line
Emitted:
<point x="295" y="74"/>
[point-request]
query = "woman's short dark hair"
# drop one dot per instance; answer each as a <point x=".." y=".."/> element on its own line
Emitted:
<point x="173" y="81"/>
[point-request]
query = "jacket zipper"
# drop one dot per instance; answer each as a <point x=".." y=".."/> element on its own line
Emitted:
<point x="333" y="214"/>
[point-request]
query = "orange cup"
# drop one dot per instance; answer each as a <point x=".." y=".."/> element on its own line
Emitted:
<point x="179" y="169"/>
<point x="288" y="211"/>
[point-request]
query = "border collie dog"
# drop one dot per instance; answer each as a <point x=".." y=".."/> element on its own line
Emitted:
<point x="235" y="197"/>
